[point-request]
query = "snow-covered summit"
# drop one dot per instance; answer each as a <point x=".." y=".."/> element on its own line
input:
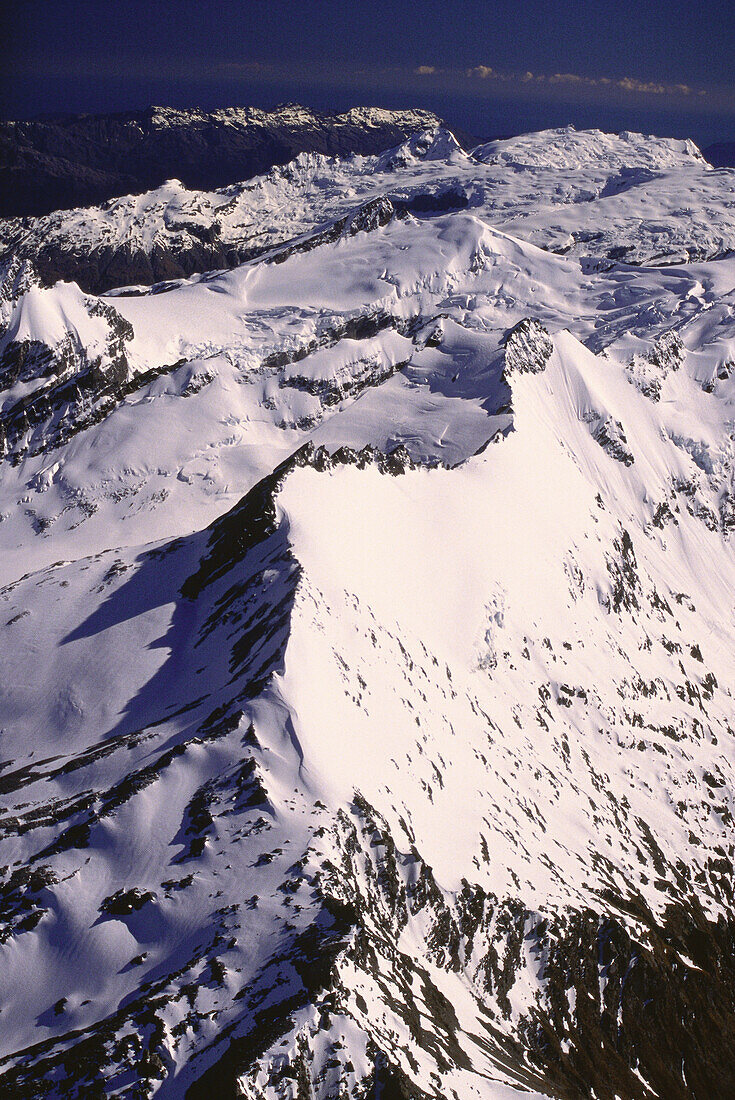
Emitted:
<point x="436" y="144"/>
<point x="569" y="148"/>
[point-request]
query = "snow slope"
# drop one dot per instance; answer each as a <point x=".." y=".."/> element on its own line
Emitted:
<point x="368" y="658"/>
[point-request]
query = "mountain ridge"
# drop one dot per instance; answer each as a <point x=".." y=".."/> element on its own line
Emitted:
<point x="53" y="163"/>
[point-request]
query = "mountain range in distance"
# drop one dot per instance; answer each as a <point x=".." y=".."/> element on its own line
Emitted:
<point x="620" y="201"/>
<point x="53" y="162"/>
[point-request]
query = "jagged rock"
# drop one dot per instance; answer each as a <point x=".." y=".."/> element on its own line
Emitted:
<point x="17" y="277"/>
<point x="648" y="372"/>
<point x="126" y="901"/>
<point x="668" y="352"/>
<point x="610" y="435"/>
<point x="727" y="512"/>
<point x="528" y="348"/>
<point x="74" y="385"/>
<point x="372" y="215"/>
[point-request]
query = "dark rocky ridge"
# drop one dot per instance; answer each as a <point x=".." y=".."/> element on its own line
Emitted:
<point x="54" y="163"/>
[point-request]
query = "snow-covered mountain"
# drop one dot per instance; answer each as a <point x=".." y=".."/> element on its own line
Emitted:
<point x="592" y="195"/>
<point x="367" y="644"/>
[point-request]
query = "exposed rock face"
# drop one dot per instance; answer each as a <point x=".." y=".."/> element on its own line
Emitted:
<point x="595" y="1034"/>
<point x="17" y="277"/>
<point x="48" y="164"/>
<point x="528" y="348"/>
<point x="610" y="435"/>
<point x="648" y="371"/>
<point x="64" y="387"/>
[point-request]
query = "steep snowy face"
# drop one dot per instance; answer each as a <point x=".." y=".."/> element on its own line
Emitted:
<point x="367" y="659"/>
<point x="607" y="197"/>
<point x="526" y="609"/>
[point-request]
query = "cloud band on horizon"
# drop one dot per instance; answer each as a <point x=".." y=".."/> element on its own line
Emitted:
<point x="626" y="83"/>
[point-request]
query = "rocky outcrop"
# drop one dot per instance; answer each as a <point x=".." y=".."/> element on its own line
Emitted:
<point x="610" y="435"/>
<point x="17" y="276"/>
<point x="108" y="266"/>
<point x="74" y="387"/>
<point x="615" y="1015"/>
<point x="648" y="372"/>
<point x="370" y="216"/>
<point x="528" y="348"/>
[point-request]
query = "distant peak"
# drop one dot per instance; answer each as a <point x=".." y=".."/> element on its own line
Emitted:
<point x="571" y="148"/>
<point x="435" y="143"/>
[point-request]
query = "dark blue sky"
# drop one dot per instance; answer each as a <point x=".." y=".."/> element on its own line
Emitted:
<point x="488" y="67"/>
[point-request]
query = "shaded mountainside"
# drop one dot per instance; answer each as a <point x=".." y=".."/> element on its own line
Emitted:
<point x="52" y="163"/>
<point x="367" y="647"/>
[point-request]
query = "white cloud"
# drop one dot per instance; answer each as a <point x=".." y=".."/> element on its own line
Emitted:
<point x="625" y="84"/>
<point x="483" y="71"/>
